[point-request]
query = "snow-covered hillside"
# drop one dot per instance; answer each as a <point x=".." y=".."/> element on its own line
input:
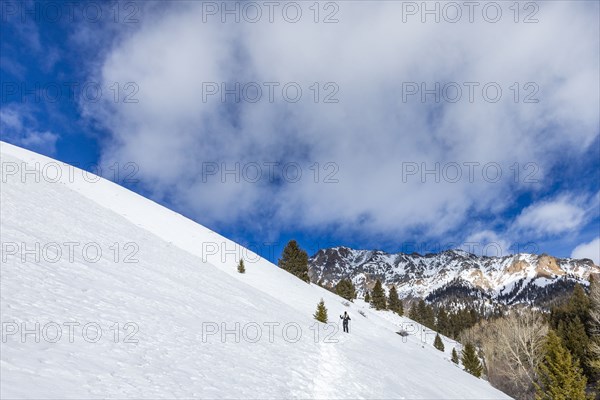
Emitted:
<point x="161" y="289"/>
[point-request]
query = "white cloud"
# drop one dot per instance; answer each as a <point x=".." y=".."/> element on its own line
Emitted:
<point x="551" y="217"/>
<point x="589" y="250"/>
<point x="487" y="243"/>
<point x="370" y="134"/>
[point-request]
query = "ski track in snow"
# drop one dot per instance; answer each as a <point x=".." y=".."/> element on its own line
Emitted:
<point x="169" y="294"/>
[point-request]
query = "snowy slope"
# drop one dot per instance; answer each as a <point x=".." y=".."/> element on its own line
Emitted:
<point x="169" y="284"/>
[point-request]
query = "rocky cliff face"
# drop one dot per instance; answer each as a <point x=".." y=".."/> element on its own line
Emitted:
<point x="454" y="273"/>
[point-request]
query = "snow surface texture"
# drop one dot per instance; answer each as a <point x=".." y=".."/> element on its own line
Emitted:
<point x="173" y="282"/>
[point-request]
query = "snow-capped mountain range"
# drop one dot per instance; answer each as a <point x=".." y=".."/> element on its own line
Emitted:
<point x="508" y="279"/>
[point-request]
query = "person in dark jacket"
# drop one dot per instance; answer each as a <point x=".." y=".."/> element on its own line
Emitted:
<point x="345" y="318"/>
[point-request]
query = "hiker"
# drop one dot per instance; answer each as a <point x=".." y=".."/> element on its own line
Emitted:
<point x="345" y="319"/>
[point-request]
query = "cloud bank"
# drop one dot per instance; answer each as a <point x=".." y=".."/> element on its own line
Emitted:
<point x="393" y="132"/>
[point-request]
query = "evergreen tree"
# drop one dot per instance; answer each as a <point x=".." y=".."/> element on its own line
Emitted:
<point x="321" y="313"/>
<point x="295" y="261"/>
<point x="569" y="321"/>
<point x="367" y="296"/>
<point x="241" y="269"/>
<point x="378" y="296"/>
<point x="470" y="360"/>
<point x="454" y="356"/>
<point x="559" y="376"/>
<point x="443" y="322"/>
<point x="472" y="316"/>
<point x="425" y="314"/>
<point x="422" y="311"/>
<point x="394" y="303"/>
<point x="345" y="288"/>
<point x="579" y="303"/>
<point x="400" y="307"/>
<point x="574" y="338"/>
<point x="437" y="343"/>
<point x="413" y="313"/>
<point x="460" y="320"/>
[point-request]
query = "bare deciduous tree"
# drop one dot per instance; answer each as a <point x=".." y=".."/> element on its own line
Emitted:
<point x="512" y="347"/>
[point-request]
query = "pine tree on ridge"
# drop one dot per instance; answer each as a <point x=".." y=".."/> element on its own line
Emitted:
<point x="345" y="288"/>
<point x="378" y="299"/>
<point x="394" y="303"/>
<point x="321" y="313"/>
<point x="470" y="360"/>
<point x="241" y="268"/>
<point x="437" y="343"/>
<point x="454" y="356"/>
<point x="295" y="261"/>
<point x="559" y="376"/>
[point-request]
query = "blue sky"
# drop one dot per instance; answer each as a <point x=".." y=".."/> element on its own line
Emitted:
<point x="186" y="97"/>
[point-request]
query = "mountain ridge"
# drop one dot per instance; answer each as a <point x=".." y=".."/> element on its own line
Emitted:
<point x="419" y="276"/>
